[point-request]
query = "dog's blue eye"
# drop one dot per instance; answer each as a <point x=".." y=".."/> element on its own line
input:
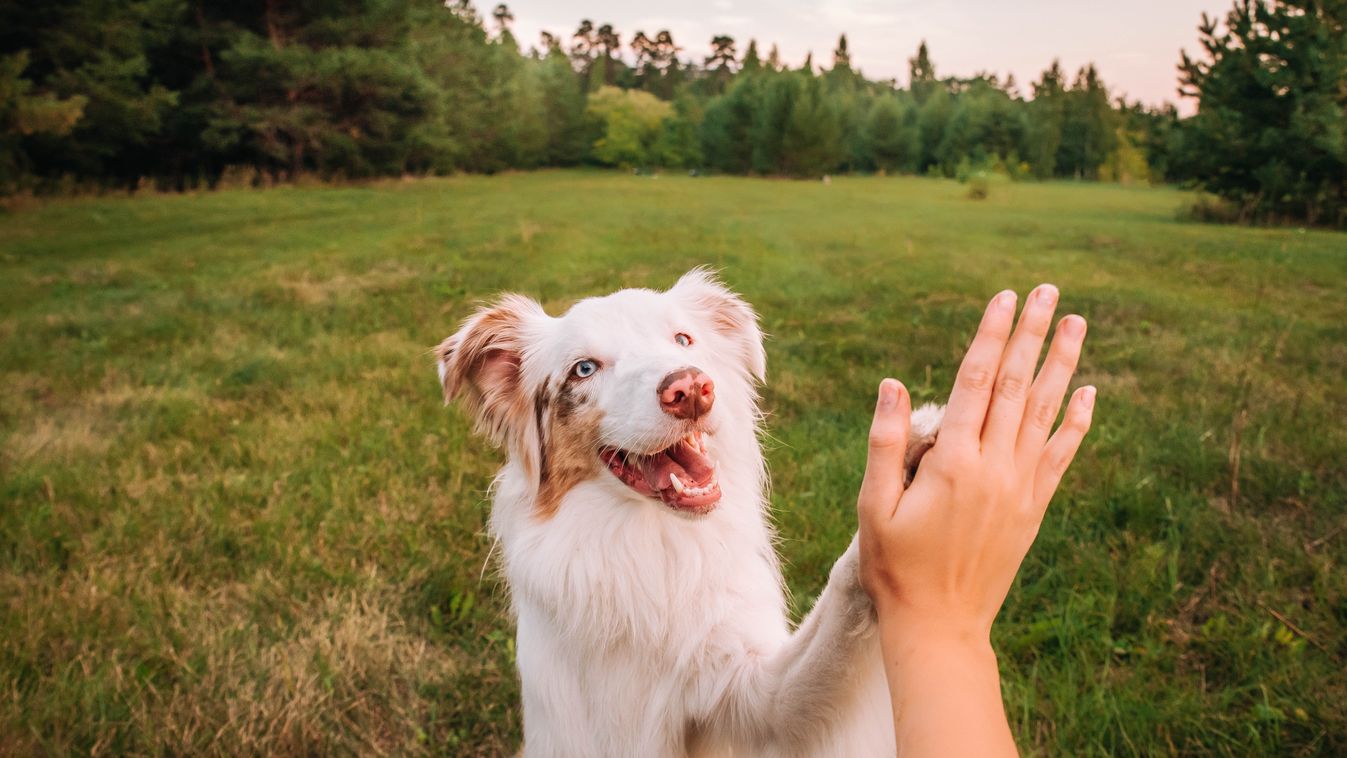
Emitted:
<point x="585" y="368"/>
<point x="682" y="339"/>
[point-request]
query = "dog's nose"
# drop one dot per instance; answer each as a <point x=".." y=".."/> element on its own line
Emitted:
<point x="687" y="393"/>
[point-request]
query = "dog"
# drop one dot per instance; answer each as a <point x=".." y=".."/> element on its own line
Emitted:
<point x="631" y="515"/>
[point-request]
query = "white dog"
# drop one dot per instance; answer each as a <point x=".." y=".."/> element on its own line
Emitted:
<point x="631" y="514"/>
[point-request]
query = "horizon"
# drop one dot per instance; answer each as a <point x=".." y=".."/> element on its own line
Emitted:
<point x="1135" y="49"/>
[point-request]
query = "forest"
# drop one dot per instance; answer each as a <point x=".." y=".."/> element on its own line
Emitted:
<point x="178" y="95"/>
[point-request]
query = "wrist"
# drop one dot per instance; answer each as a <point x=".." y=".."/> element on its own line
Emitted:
<point x="906" y="633"/>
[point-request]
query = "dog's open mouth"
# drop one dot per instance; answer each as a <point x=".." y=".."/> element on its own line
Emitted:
<point x="682" y="475"/>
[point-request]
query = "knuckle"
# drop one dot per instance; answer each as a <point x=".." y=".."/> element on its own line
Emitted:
<point x="977" y="378"/>
<point x="1059" y="463"/>
<point x="1042" y="414"/>
<point x="884" y="439"/>
<point x="1011" y="386"/>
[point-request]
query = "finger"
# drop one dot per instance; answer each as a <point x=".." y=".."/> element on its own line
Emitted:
<point x="1016" y="373"/>
<point x="967" y="407"/>
<point x="1045" y="397"/>
<point x="883" y="482"/>
<point x="1061" y="449"/>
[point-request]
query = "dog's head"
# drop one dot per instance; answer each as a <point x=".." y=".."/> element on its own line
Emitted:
<point x="634" y="387"/>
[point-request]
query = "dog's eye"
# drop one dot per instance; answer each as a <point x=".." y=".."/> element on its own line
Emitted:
<point x="585" y="368"/>
<point x="682" y="339"/>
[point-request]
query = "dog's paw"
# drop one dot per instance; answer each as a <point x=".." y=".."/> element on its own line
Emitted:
<point x="925" y="427"/>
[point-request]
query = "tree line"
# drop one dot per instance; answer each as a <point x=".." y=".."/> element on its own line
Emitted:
<point x="177" y="92"/>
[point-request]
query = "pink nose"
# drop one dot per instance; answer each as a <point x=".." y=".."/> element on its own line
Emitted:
<point x="687" y="393"/>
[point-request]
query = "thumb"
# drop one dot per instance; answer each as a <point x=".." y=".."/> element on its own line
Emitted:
<point x="883" y="482"/>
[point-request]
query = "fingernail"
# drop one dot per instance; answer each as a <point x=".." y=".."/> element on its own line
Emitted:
<point x="1073" y="326"/>
<point x="1046" y="294"/>
<point x="1006" y="300"/>
<point x="1087" y="397"/>
<point x="888" y="394"/>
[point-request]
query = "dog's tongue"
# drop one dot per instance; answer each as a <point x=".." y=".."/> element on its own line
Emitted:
<point x="683" y="459"/>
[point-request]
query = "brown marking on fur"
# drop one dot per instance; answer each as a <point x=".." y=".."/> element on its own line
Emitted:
<point x="569" y="431"/>
<point x="540" y="412"/>
<point x="482" y="367"/>
<point x="568" y="401"/>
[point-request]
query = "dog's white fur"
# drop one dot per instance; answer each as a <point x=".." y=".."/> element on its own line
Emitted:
<point x="643" y="630"/>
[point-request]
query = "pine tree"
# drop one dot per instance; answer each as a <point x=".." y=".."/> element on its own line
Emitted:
<point x="103" y="53"/>
<point x="841" y="56"/>
<point x="812" y="142"/>
<point x="720" y="63"/>
<point x="1046" y="116"/>
<point x="891" y="144"/>
<point x="921" y="75"/>
<point x="24" y="113"/>
<point x="751" y="64"/>
<point x="1270" y="133"/>
<point x="564" y="108"/>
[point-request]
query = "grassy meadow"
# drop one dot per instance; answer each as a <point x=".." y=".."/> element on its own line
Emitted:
<point x="235" y="517"/>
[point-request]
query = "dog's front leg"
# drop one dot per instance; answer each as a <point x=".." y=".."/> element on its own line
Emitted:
<point x="794" y="697"/>
<point x="791" y="698"/>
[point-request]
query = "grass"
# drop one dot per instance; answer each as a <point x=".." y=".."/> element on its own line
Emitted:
<point x="235" y="518"/>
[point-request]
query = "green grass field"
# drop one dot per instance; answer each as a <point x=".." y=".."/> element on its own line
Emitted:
<point x="235" y="516"/>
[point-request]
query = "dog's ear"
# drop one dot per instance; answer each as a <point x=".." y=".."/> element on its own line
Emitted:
<point x="728" y="314"/>
<point x="482" y="365"/>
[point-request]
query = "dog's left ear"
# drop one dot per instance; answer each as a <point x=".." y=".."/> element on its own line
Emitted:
<point x="482" y="364"/>
<point x="728" y="314"/>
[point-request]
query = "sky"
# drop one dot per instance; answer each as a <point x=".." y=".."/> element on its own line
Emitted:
<point x="1135" y="44"/>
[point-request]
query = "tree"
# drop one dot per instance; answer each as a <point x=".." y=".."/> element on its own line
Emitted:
<point x="841" y="56"/>
<point x="177" y="91"/>
<point x="503" y="18"/>
<point x="563" y="103"/>
<point x="103" y="53"/>
<point x="609" y="41"/>
<point x="985" y="128"/>
<point x="842" y="77"/>
<point x="583" y="43"/>
<point x="24" y="113"/>
<point x="1047" y="113"/>
<point x="720" y="63"/>
<point x="1089" y="127"/>
<point x="892" y="143"/>
<point x="752" y="63"/>
<point x="727" y="127"/>
<point x="812" y="144"/>
<point x="1270" y="134"/>
<point x="921" y="75"/>
<point x="631" y="122"/>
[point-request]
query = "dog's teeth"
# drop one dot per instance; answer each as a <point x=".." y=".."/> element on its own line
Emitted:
<point x="678" y="486"/>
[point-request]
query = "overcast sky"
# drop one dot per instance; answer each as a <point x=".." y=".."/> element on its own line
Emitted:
<point x="1134" y="44"/>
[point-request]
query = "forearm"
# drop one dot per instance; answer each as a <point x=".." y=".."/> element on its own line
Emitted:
<point x="783" y="697"/>
<point x="946" y="692"/>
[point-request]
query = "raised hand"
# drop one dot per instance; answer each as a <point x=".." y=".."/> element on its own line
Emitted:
<point x="939" y="558"/>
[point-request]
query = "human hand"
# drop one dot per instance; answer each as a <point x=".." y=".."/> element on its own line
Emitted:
<point x="941" y="556"/>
